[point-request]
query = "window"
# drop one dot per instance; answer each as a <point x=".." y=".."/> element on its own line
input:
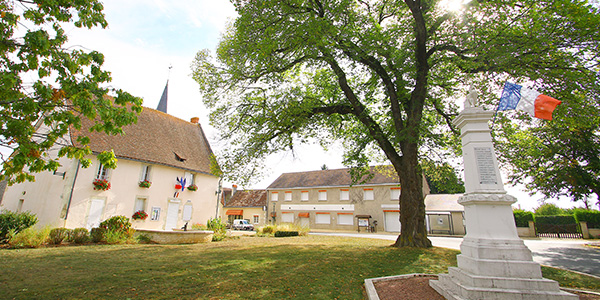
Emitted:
<point x="288" y="196"/>
<point x="274" y="197"/>
<point x="368" y="194"/>
<point x="322" y="195"/>
<point x="287" y="217"/>
<point x="344" y="194"/>
<point x="345" y="219"/>
<point x="102" y="172"/>
<point x="395" y="193"/>
<point x="189" y="178"/>
<point x="256" y="219"/>
<point x="140" y="204"/>
<point x="145" y="175"/>
<point x="322" y="218"/>
<point x="304" y="196"/>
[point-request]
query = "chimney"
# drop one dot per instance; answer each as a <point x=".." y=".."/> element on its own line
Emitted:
<point x="233" y="189"/>
<point x="195" y="120"/>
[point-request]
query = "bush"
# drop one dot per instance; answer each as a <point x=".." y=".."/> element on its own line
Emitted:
<point x="269" y="230"/>
<point x="266" y="230"/>
<point x="549" y="209"/>
<point x="15" y="222"/>
<point x="522" y="217"/>
<point x="555" y="220"/>
<point x="58" y="235"/>
<point x="79" y="236"/>
<point x="143" y="239"/>
<point x="592" y="217"/>
<point x="116" y="223"/>
<point x="198" y="226"/>
<point x="285" y="233"/>
<point x="97" y="234"/>
<point x="219" y="228"/>
<point x="29" y="238"/>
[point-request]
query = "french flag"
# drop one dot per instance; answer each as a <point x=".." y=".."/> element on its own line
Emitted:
<point x="534" y="103"/>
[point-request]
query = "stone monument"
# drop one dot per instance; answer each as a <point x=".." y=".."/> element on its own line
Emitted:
<point x="494" y="262"/>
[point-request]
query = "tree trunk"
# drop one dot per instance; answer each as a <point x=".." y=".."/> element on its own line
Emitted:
<point x="413" y="232"/>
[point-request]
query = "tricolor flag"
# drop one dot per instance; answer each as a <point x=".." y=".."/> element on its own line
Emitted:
<point x="530" y="101"/>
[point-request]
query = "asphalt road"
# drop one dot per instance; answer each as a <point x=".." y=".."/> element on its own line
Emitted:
<point x="561" y="253"/>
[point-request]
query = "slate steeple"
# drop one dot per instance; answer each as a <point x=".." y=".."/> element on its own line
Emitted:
<point x="162" y="105"/>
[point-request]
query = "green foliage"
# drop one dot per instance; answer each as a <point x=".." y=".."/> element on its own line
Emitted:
<point x="442" y="178"/>
<point x="219" y="227"/>
<point x="549" y="209"/>
<point x="266" y="230"/>
<point x="97" y="234"/>
<point x="270" y="230"/>
<point x="44" y="83"/>
<point x="15" y="222"/>
<point x="522" y="217"/>
<point x="117" y="230"/>
<point x="592" y="217"/>
<point x="116" y="223"/>
<point x="285" y="233"/>
<point x="554" y="220"/>
<point x="143" y="239"/>
<point x="29" y="238"/>
<point x="58" y="235"/>
<point x="381" y="76"/>
<point x="198" y="226"/>
<point x="79" y="235"/>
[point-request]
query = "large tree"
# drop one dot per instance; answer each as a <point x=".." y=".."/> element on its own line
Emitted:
<point x="46" y="87"/>
<point x="378" y="75"/>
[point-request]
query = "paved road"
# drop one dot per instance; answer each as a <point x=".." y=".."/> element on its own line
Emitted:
<point x="560" y="253"/>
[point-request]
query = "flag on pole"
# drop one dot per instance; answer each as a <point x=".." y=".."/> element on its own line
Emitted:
<point x="534" y="103"/>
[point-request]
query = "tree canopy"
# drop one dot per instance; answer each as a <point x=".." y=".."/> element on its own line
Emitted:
<point x="382" y="76"/>
<point x="442" y="178"/>
<point x="45" y="87"/>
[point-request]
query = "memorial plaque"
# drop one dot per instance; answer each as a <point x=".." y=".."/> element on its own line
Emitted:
<point x="486" y="168"/>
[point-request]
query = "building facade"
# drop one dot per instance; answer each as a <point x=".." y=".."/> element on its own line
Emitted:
<point x="164" y="170"/>
<point x="250" y="205"/>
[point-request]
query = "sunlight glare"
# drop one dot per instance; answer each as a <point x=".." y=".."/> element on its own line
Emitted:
<point x="453" y="5"/>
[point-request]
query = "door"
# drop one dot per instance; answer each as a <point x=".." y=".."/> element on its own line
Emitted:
<point x="172" y="216"/>
<point x="392" y="221"/>
<point x="305" y="222"/>
<point x="95" y="213"/>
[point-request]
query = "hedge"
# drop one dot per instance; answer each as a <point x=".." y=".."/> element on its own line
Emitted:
<point x="285" y="233"/>
<point x="555" y="220"/>
<point x="592" y="217"/>
<point x="522" y="217"/>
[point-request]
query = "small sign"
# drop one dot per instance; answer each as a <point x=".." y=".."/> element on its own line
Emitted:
<point x="187" y="212"/>
<point x="363" y="222"/>
<point x="155" y="214"/>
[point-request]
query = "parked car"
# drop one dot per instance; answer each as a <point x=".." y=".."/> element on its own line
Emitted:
<point x="242" y="225"/>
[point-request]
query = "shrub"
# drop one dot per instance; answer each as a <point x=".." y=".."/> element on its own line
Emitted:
<point x="15" y="222"/>
<point x="555" y="220"/>
<point x="116" y="223"/>
<point x="266" y="230"/>
<point x="97" y="234"/>
<point x="58" y="235"/>
<point x="549" y="209"/>
<point x="79" y="236"/>
<point x="285" y="233"/>
<point x="592" y="217"/>
<point x="198" y="226"/>
<point x="522" y="217"/>
<point x="143" y="239"/>
<point x="219" y="228"/>
<point x="29" y="238"/>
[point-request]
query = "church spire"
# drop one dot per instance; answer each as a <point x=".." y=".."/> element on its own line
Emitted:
<point x="162" y="105"/>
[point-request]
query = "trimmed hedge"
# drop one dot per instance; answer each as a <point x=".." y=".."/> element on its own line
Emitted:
<point x="592" y="217"/>
<point x="522" y="217"/>
<point x="555" y="220"/>
<point x="285" y="233"/>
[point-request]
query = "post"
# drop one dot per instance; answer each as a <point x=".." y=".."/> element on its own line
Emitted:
<point x="584" y="230"/>
<point x="494" y="262"/>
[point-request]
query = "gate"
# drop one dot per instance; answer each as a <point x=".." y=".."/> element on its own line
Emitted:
<point x="562" y="231"/>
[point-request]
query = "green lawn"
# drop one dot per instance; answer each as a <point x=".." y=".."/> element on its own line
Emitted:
<point x="312" y="267"/>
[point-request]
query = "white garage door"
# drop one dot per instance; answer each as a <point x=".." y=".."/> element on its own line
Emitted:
<point x="392" y="221"/>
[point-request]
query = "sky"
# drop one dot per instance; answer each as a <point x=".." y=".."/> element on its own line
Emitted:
<point x="148" y="42"/>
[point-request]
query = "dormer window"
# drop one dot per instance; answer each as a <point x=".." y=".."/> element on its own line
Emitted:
<point x="179" y="158"/>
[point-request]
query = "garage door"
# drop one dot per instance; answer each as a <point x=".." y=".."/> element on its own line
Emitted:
<point x="392" y="221"/>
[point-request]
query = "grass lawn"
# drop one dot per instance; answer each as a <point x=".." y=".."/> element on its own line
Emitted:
<point x="312" y="267"/>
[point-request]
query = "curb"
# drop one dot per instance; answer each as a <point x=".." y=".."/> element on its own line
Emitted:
<point x="370" y="283"/>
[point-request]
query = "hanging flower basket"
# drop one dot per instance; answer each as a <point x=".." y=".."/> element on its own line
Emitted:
<point x="139" y="215"/>
<point x="192" y="188"/>
<point x="144" y="184"/>
<point x="101" y="184"/>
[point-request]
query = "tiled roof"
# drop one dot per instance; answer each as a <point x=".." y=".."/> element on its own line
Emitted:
<point x="248" y="198"/>
<point x="156" y="138"/>
<point x="443" y="202"/>
<point x="337" y="177"/>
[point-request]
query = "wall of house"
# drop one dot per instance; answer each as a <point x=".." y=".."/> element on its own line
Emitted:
<point x="120" y="199"/>
<point x="332" y="212"/>
<point x="248" y="213"/>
